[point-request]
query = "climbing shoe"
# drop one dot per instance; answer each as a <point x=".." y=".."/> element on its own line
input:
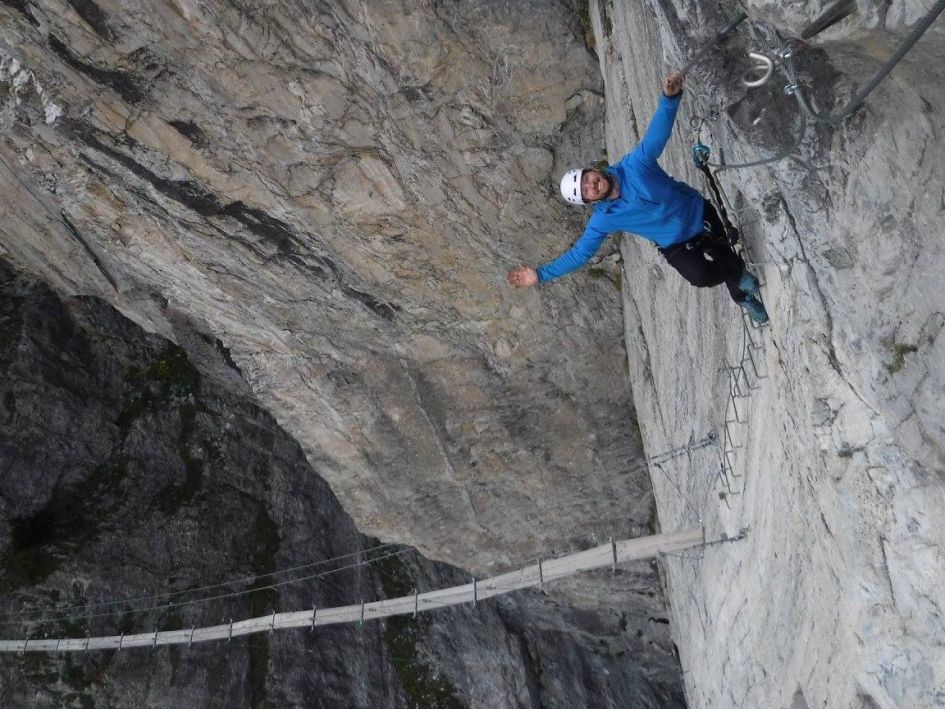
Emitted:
<point x="755" y="309"/>
<point x="748" y="283"/>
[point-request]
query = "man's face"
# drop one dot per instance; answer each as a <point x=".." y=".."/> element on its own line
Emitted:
<point x="595" y="185"/>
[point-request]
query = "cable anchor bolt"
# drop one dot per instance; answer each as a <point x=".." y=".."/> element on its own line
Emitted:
<point x="759" y="74"/>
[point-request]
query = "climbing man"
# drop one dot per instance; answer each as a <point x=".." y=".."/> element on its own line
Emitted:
<point x="637" y="196"/>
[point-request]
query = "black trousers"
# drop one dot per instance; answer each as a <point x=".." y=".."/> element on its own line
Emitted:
<point x="707" y="260"/>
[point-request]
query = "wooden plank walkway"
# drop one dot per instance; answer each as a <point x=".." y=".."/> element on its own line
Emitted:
<point x="536" y="575"/>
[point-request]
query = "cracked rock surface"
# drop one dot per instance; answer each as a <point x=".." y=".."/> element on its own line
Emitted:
<point x="137" y="469"/>
<point x="324" y="193"/>
<point x="837" y="448"/>
<point x="336" y="192"/>
<point x="331" y="194"/>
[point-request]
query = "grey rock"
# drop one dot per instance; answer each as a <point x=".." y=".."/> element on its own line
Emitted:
<point x="336" y="193"/>
<point x="133" y="468"/>
<point x="840" y="458"/>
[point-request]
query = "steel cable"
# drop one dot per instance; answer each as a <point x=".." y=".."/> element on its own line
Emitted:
<point x="234" y="594"/>
<point x="234" y="582"/>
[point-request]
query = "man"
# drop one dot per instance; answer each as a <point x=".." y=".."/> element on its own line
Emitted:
<point x="637" y="196"/>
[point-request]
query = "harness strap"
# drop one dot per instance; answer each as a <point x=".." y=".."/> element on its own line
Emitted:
<point x="700" y="158"/>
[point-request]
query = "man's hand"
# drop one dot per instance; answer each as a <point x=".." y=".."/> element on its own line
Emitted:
<point x="673" y="83"/>
<point x="523" y="277"/>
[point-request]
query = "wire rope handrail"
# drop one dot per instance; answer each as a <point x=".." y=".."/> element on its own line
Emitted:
<point x="602" y="556"/>
<point x="24" y="615"/>
<point x="217" y="597"/>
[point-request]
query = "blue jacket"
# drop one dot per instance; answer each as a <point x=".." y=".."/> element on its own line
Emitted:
<point x="651" y="203"/>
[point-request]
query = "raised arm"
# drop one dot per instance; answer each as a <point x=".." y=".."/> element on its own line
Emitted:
<point x="661" y="125"/>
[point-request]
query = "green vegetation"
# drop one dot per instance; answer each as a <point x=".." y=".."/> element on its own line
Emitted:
<point x="172" y="380"/>
<point x="75" y="511"/>
<point x="68" y="629"/>
<point x="588" y="29"/>
<point x="172" y="621"/>
<point x="634" y="419"/>
<point x="173" y="497"/>
<point x="606" y="10"/>
<point x="395" y="577"/>
<point x="899" y="357"/>
<point x="37" y="668"/>
<point x="596" y="272"/>
<point x="127" y="623"/>
<point x="80" y="680"/>
<point x="26" y="567"/>
<point x="403" y="635"/>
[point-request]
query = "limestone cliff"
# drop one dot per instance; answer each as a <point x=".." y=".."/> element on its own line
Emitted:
<point x="835" y="598"/>
<point x="330" y="194"/>
<point x="335" y="192"/>
<point x="143" y="488"/>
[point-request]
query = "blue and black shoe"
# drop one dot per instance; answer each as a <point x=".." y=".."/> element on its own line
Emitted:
<point x="748" y="284"/>
<point x="755" y="309"/>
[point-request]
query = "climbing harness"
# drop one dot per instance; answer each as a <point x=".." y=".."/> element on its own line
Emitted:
<point x="700" y="158"/>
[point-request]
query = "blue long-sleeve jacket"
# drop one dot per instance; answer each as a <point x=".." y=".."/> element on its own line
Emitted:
<point x="651" y="203"/>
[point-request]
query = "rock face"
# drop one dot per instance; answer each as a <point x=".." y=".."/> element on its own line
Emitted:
<point x="335" y="193"/>
<point x="331" y="195"/>
<point x="135" y="468"/>
<point x="835" y="596"/>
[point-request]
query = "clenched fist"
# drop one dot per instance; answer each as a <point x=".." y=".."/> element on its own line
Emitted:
<point x="673" y="83"/>
<point x="523" y="277"/>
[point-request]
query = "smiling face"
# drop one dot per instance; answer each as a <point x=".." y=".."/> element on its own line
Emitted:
<point x="595" y="185"/>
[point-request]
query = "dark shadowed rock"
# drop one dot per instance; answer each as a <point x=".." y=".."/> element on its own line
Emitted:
<point x="135" y="468"/>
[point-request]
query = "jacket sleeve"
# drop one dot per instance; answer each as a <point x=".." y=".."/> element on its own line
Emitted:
<point x="659" y="131"/>
<point x="575" y="257"/>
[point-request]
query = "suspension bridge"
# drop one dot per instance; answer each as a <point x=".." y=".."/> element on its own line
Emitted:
<point x="536" y="575"/>
<point x="777" y="54"/>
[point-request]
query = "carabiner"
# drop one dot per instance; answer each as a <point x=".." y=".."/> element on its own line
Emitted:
<point x="700" y="155"/>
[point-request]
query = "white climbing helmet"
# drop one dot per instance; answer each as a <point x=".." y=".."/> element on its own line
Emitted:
<point x="571" y="186"/>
